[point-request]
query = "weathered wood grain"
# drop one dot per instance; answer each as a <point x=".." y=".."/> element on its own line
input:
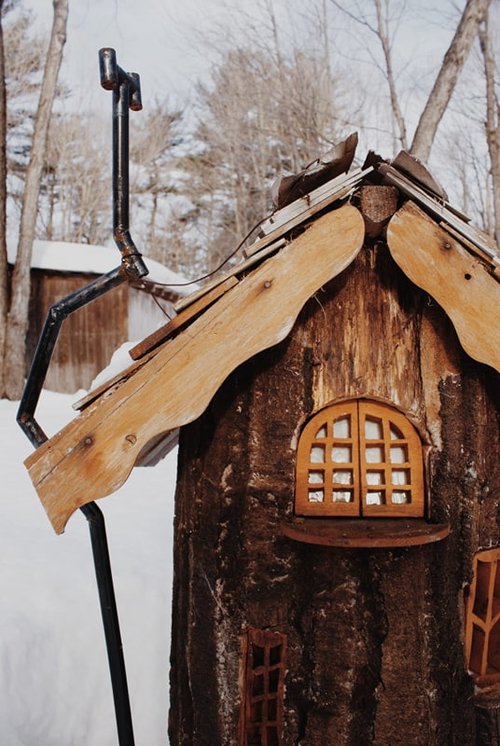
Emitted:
<point x="93" y="455"/>
<point x="438" y="264"/>
<point x="160" y="335"/>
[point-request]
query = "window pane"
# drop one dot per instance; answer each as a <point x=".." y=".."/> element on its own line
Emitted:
<point x="375" y="477"/>
<point x="375" y="497"/>
<point x="342" y="427"/>
<point x="316" y="496"/>
<point x="476" y="653"/>
<point x="483" y="570"/>
<point x="342" y="477"/>
<point x="318" y="454"/>
<point x="399" y="498"/>
<point x="399" y="454"/>
<point x="316" y="477"/>
<point x="374" y="454"/>
<point x="322" y="432"/>
<point x="396" y="433"/>
<point x="258" y="685"/>
<point x="373" y="429"/>
<point x="342" y="496"/>
<point x="341" y="454"/>
<point x="400" y="476"/>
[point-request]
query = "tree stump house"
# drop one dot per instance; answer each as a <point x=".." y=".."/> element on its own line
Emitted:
<point x="337" y="536"/>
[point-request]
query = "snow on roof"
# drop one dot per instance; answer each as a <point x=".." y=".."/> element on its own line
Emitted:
<point x="77" y="257"/>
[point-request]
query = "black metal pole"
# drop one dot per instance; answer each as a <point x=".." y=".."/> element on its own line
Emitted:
<point x="110" y="622"/>
<point x="102" y="565"/>
<point x="126" y="95"/>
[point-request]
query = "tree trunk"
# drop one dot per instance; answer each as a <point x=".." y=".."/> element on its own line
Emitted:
<point x="492" y="124"/>
<point x="17" y="323"/>
<point x="383" y="35"/>
<point x="3" y="199"/>
<point x="454" y="60"/>
<point x="374" y="648"/>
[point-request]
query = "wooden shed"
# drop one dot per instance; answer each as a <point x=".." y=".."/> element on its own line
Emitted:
<point x="89" y="337"/>
<point x="337" y="535"/>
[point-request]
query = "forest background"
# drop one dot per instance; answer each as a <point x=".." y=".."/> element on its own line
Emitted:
<point x="260" y="89"/>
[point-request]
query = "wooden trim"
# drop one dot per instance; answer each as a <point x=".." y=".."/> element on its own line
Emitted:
<point x="237" y="270"/>
<point x="395" y="443"/>
<point x="365" y="534"/>
<point x="410" y="444"/>
<point x="438" y="264"/>
<point x="482" y="244"/>
<point x="482" y="629"/>
<point x="93" y="455"/>
<point x="263" y="694"/>
<point x="305" y="207"/>
<point x="188" y="314"/>
<point x="319" y="437"/>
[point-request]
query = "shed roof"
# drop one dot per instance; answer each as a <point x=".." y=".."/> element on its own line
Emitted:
<point x="65" y="256"/>
<point x="254" y="307"/>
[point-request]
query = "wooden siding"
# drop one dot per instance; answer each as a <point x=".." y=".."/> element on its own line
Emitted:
<point x="88" y="337"/>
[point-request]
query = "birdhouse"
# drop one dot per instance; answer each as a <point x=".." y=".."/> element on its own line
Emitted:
<point x="336" y="532"/>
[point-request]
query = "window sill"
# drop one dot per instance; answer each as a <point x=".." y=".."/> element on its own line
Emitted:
<point x="487" y="696"/>
<point x="364" y="533"/>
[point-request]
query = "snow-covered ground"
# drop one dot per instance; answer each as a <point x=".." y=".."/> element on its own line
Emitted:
<point x="54" y="682"/>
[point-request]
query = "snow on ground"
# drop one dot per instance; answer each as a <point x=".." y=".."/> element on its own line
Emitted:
<point x="54" y="681"/>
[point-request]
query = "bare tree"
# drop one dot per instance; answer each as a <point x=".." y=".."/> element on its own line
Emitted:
<point x="74" y="198"/>
<point x="380" y="27"/>
<point x="492" y="124"/>
<point x="17" y="321"/>
<point x="473" y="15"/>
<point x="259" y="115"/>
<point x="156" y="136"/>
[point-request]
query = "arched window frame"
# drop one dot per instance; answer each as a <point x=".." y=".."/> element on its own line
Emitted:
<point x="482" y="628"/>
<point x="370" y="467"/>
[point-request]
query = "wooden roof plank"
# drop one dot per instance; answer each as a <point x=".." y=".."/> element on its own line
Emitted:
<point x="456" y="280"/>
<point x="305" y="207"/>
<point x="94" y="454"/>
<point x="315" y="197"/>
<point x="235" y="271"/>
<point x="181" y="319"/>
<point x="485" y="247"/>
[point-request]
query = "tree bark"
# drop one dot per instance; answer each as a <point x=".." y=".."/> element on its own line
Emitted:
<point x="492" y="122"/>
<point x="17" y="323"/>
<point x="3" y="197"/>
<point x="374" y="638"/>
<point x="454" y="60"/>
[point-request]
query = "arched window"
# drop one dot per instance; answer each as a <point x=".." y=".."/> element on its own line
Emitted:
<point x="359" y="458"/>
<point x="482" y="633"/>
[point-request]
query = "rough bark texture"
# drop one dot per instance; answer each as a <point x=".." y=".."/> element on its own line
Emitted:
<point x="375" y="638"/>
<point x="492" y="124"/>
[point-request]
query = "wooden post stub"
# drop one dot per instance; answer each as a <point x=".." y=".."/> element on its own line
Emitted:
<point x="378" y="204"/>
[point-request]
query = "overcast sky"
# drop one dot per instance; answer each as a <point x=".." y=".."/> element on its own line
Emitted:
<point x="164" y="41"/>
<point x="160" y="39"/>
<point x="151" y="37"/>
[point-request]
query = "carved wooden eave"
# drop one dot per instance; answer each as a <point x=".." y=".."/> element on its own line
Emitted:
<point x="455" y="279"/>
<point x="178" y="369"/>
<point x="94" y="454"/>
